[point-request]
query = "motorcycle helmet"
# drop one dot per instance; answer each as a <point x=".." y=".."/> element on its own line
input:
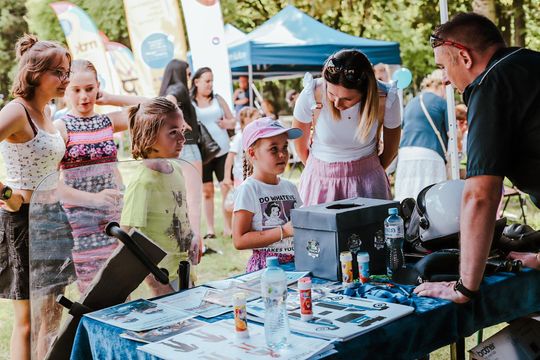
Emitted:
<point x="438" y="208"/>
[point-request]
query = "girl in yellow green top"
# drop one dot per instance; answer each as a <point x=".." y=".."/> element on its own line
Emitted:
<point x="155" y="199"/>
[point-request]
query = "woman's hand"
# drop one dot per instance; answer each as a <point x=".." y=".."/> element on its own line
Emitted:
<point x="105" y="198"/>
<point x="228" y="124"/>
<point x="13" y="204"/>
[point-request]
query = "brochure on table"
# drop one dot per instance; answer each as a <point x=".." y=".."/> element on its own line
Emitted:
<point x="217" y="341"/>
<point x="140" y="315"/>
<point x="195" y="301"/>
<point x="252" y="281"/>
<point x="338" y="316"/>
<point x="163" y="332"/>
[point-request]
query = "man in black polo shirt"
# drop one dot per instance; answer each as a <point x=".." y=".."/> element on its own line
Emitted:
<point x="501" y="87"/>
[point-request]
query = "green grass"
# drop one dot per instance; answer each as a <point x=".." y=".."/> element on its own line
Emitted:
<point x="232" y="262"/>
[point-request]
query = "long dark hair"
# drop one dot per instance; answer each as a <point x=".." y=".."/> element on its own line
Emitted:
<point x="175" y="72"/>
<point x="200" y="72"/>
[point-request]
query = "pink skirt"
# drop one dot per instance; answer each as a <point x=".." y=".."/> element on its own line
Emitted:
<point x="322" y="182"/>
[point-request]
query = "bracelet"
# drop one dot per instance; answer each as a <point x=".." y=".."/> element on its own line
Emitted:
<point x="281" y="232"/>
<point x="459" y="287"/>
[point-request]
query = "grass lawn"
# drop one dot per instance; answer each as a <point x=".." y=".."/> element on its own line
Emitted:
<point x="231" y="262"/>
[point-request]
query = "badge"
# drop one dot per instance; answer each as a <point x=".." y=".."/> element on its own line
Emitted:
<point x="378" y="241"/>
<point x="354" y="243"/>
<point x="313" y="248"/>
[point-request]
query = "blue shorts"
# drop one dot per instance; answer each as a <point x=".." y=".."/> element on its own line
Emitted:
<point x="191" y="153"/>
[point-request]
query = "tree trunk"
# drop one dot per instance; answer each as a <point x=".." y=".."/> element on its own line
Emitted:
<point x="486" y="8"/>
<point x="519" y="23"/>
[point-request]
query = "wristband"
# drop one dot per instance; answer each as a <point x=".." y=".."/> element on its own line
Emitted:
<point x="459" y="287"/>
<point x="6" y="193"/>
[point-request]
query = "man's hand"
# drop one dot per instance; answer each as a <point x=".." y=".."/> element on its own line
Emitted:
<point x="529" y="259"/>
<point x="442" y="290"/>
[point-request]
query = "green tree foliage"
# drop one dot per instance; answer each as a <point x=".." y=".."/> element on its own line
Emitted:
<point x="12" y="26"/>
<point x="109" y="17"/>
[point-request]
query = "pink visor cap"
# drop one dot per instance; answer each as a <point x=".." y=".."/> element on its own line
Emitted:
<point x="264" y="128"/>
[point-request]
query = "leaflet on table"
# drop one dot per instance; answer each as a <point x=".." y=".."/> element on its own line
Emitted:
<point x="163" y="332"/>
<point x="225" y="297"/>
<point x="338" y="316"/>
<point x="140" y="315"/>
<point x="194" y="301"/>
<point x="218" y="341"/>
<point x="252" y="281"/>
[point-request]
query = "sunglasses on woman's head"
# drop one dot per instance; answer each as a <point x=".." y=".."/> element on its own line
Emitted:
<point x="334" y="67"/>
<point x="436" y="41"/>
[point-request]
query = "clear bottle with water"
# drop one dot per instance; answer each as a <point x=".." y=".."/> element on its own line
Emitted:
<point x="394" y="237"/>
<point x="274" y="295"/>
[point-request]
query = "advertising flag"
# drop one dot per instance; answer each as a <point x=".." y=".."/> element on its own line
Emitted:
<point x="207" y="42"/>
<point x="157" y="37"/>
<point x="123" y="62"/>
<point x="86" y="43"/>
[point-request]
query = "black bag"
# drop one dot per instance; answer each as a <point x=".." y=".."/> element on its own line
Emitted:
<point x="208" y="146"/>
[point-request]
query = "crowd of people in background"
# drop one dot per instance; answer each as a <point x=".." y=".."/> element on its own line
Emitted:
<point x="346" y="129"/>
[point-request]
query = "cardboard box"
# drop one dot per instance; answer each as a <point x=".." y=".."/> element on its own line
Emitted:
<point x="518" y="341"/>
<point x="322" y="231"/>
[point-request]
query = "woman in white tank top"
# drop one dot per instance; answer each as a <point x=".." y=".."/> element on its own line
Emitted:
<point x="214" y="113"/>
<point x="32" y="148"/>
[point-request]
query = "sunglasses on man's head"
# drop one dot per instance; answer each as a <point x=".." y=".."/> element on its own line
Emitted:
<point x="334" y="67"/>
<point x="436" y="41"/>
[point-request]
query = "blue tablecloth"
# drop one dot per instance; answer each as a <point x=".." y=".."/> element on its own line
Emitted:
<point x="435" y="323"/>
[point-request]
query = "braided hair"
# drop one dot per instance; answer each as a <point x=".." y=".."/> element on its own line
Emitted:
<point x="247" y="167"/>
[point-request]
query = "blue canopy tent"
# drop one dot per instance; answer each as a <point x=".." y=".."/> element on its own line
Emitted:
<point x="292" y="42"/>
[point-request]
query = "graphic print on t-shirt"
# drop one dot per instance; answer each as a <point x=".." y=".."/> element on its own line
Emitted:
<point x="276" y="211"/>
<point x="174" y="232"/>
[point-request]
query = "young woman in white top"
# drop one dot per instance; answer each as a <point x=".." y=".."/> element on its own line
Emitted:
<point x="346" y="109"/>
<point x="214" y="113"/>
<point x="31" y="148"/>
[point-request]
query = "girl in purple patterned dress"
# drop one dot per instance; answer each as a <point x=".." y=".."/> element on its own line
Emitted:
<point x="95" y="190"/>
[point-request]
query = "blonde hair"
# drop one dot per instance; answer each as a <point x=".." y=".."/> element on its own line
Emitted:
<point x="35" y="57"/>
<point x="364" y="82"/>
<point x="247" y="113"/>
<point x="145" y="121"/>
<point x="83" y="65"/>
<point x="433" y="80"/>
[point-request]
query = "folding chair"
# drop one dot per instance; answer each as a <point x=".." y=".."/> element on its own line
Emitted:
<point x="510" y="192"/>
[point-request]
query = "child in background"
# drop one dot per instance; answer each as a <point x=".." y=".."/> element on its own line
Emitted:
<point x="234" y="162"/>
<point x="155" y="199"/>
<point x="94" y="191"/>
<point x="264" y="198"/>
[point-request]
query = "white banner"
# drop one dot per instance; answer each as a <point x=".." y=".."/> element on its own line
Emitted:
<point x="157" y="37"/>
<point x="207" y="42"/>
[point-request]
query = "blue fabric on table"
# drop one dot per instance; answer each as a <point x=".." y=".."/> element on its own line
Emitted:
<point x="435" y="323"/>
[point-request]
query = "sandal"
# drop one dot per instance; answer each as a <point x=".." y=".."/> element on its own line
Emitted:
<point x="209" y="236"/>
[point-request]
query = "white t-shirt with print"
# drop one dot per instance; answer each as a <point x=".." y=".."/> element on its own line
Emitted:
<point x="271" y="207"/>
<point x="335" y="140"/>
<point x="236" y="148"/>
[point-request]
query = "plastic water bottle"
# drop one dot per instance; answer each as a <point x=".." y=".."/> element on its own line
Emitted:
<point x="274" y="295"/>
<point x="394" y="237"/>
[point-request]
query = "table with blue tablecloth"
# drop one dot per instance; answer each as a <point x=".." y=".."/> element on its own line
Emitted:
<point x="434" y="324"/>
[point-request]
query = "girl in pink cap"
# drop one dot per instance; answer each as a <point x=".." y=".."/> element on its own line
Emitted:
<point x="262" y="208"/>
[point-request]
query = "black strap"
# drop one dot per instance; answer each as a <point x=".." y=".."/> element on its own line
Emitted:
<point x="30" y="121"/>
<point x="462" y="289"/>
